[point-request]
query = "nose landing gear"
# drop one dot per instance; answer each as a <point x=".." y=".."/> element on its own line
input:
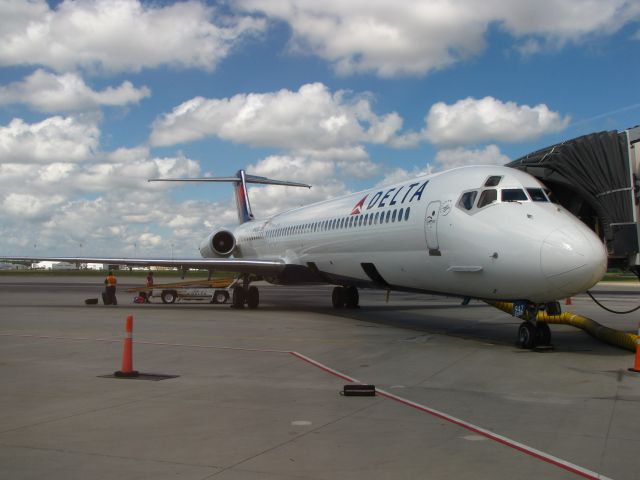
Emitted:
<point x="534" y="334"/>
<point x="531" y="332"/>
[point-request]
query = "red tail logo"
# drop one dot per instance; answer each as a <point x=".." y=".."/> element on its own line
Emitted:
<point x="358" y="207"/>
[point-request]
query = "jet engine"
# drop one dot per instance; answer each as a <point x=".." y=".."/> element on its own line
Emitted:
<point x="219" y="244"/>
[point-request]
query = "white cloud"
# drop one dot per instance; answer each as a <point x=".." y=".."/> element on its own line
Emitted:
<point x="24" y="205"/>
<point x="120" y="35"/>
<point x="398" y="175"/>
<point x="295" y="168"/>
<point x="460" y="157"/>
<point x="110" y="225"/>
<point x="415" y="37"/>
<point x="310" y="118"/>
<point x="470" y="121"/>
<point x="389" y="38"/>
<point x="269" y="200"/>
<point x="565" y="20"/>
<point x="45" y="204"/>
<point x="48" y="92"/>
<point x="55" y="139"/>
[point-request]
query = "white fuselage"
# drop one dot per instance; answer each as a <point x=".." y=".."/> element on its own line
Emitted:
<point x="433" y="234"/>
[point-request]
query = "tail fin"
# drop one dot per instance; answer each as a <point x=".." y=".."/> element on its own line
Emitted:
<point x="241" y="179"/>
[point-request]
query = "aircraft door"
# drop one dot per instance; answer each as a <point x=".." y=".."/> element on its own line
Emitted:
<point x="431" y="227"/>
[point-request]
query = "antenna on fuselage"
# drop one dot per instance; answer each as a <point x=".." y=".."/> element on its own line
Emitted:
<point x="243" y="205"/>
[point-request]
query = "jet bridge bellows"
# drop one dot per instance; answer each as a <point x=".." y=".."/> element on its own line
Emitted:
<point x="596" y="177"/>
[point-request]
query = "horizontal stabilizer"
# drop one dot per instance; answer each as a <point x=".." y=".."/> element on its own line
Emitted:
<point x="248" y="179"/>
<point x="240" y="180"/>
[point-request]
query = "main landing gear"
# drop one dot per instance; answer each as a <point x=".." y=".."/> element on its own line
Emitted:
<point x="345" y="297"/>
<point x="245" y="295"/>
<point x="532" y="333"/>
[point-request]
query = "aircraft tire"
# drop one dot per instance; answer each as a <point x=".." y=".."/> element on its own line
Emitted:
<point x="253" y="297"/>
<point x="338" y="297"/>
<point x="526" y="335"/>
<point x="238" y="297"/>
<point x="352" y="298"/>
<point x="543" y="334"/>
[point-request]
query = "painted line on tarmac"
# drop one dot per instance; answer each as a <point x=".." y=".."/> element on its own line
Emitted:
<point x="545" y="457"/>
<point x="139" y="342"/>
<point x="532" y="452"/>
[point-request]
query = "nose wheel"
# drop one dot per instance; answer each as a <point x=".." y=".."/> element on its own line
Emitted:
<point x="532" y="335"/>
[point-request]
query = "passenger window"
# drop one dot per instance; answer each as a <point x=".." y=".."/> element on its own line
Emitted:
<point x="370" y="218"/>
<point x="400" y="215"/>
<point x="406" y="214"/>
<point x="467" y="200"/>
<point x="375" y="219"/>
<point x="388" y="215"/>
<point x="537" y="195"/>
<point x="493" y="181"/>
<point x="393" y="216"/>
<point x="487" y="197"/>
<point x="513" y="195"/>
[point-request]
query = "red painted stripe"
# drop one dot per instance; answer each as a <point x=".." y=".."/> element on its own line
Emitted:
<point x="323" y="367"/>
<point x="532" y="452"/>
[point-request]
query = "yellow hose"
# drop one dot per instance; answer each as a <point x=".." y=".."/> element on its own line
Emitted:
<point x="609" y="335"/>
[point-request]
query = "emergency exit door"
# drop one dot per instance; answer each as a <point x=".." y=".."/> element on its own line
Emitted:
<point x="431" y="227"/>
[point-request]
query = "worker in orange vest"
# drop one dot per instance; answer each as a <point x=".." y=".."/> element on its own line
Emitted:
<point x="110" y="289"/>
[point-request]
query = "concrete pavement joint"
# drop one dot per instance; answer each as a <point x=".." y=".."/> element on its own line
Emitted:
<point x="103" y="455"/>
<point x="532" y="452"/>
<point x="291" y="440"/>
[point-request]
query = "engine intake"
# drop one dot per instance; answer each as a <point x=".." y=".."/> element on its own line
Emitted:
<point x="218" y="244"/>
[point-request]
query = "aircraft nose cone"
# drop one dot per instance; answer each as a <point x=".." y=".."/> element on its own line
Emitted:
<point x="573" y="259"/>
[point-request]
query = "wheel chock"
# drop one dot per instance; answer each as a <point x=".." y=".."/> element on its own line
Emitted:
<point x="359" y="390"/>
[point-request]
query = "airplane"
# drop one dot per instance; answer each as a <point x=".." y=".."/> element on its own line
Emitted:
<point x="484" y="232"/>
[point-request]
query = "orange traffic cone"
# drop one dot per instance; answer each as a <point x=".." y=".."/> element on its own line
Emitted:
<point x="127" y="352"/>
<point x="636" y="365"/>
<point x="568" y="301"/>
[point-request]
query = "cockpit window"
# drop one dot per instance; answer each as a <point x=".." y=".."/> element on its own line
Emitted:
<point x="552" y="197"/>
<point x="467" y="199"/>
<point x="537" y="195"/>
<point x="493" y="181"/>
<point x="514" y="195"/>
<point x="487" y="197"/>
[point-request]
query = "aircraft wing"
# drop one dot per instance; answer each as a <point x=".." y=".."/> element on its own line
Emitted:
<point x="239" y="265"/>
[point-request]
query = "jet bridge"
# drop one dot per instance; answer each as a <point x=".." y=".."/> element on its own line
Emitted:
<point x="596" y="177"/>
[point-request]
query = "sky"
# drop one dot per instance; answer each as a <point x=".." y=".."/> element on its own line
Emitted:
<point x="97" y="96"/>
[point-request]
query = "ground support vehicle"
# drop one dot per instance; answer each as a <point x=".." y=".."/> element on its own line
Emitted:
<point x="213" y="291"/>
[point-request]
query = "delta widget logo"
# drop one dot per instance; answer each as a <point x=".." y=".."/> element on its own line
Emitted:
<point x="358" y="207"/>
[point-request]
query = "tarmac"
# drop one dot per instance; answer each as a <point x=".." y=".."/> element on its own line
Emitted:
<point x="256" y="394"/>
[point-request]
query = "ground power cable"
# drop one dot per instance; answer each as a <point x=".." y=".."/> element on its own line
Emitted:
<point x="614" y="311"/>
